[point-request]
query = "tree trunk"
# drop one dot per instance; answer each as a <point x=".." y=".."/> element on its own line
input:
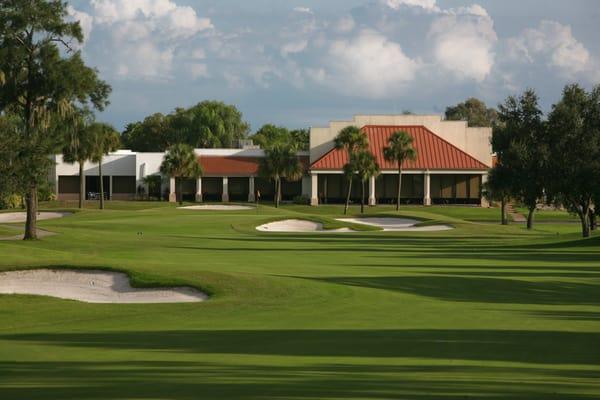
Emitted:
<point x="399" y="188"/>
<point x="348" y="196"/>
<point x="504" y="213"/>
<point x="593" y="219"/>
<point x="278" y="192"/>
<point x="362" y="196"/>
<point x="81" y="184"/>
<point x="585" y="224"/>
<point x="530" y="217"/>
<point x="277" y="184"/>
<point x="101" y="185"/>
<point x="31" y="221"/>
<point x="180" y="187"/>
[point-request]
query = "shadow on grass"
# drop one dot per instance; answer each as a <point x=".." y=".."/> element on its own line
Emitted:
<point x="567" y="315"/>
<point x="550" y="347"/>
<point x="191" y="380"/>
<point x="187" y="380"/>
<point x="481" y="290"/>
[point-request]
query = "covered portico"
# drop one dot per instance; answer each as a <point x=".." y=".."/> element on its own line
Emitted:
<point x="418" y="187"/>
<point x="232" y="175"/>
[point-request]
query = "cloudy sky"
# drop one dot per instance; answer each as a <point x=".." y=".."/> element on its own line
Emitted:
<point x="301" y="63"/>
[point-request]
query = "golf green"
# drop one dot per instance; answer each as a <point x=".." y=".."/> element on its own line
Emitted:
<point x="480" y="311"/>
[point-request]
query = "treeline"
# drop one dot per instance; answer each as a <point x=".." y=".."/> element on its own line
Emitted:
<point x="214" y="124"/>
<point x="552" y="159"/>
<point x="209" y="124"/>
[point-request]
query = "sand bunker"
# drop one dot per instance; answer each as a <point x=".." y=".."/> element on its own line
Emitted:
<point x="91" y="286"/>
<point x="19" y="217"/>
<point x="396" y="224"/>
<point x="297" y="225"/>
<point x="217" y="207"/>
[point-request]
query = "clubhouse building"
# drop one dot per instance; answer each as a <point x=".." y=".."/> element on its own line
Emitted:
<point x="452" y="164"/>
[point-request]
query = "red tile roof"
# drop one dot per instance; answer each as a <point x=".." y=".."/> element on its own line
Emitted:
<point x="433" y="152"/>
<point x="235" y="166"/>
<point x="229" y="166"/>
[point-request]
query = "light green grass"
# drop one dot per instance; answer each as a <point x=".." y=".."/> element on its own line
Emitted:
<point x="482" y="311"/>
<point x="9" y="230"/>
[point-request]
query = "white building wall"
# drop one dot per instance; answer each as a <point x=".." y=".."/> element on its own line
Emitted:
<point x="121" y="163"/>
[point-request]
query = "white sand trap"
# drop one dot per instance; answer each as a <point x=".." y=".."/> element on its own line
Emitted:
<point x="396" y="224"/>
<point x="18" y="217"/>
<point x="216" y="207"/>
<point x="92" y="286"/>
<point x="297" y="225"/>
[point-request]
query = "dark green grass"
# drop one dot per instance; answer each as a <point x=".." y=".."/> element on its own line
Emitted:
<point x="550" y="215"/>
<point x="482" y="311"/>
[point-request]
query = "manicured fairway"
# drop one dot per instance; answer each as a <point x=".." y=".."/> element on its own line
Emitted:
<point x="482" y="311"/>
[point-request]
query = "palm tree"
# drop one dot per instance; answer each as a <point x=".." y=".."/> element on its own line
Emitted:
<point x="280" y="162"/>
<point x="181" y="162"/>
<point x="79" y="148"/>
<point x="400" y="148"/>
<point x="351" y="139"/>
<point x="105" y="139"/>
<point x="365" y="166"/>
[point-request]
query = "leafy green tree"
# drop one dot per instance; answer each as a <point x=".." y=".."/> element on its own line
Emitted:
<point x="519" y="140"/>
<point x="400" y="149"/>
<point x="474" y="111"/>
<point x="11" y="162"/>
<point x="181" y="162"/>
<point x="149" y="135"/>
<point x="270" y="135"/>
<point x="574" y="148"/>
<point x="300" y="138"/>
<point x="216" y="124"/>
<point x="364" y="165"/>
<point x="352" y="140"/>
<point x="209" y="124"/>
<point x="280" y="162"/>
<point x="40" y="84"/>
<point x="104" y="139"/>
<point x="78" y="146"/>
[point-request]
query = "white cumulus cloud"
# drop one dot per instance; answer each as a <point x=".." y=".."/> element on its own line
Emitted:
<point x="141" y="38"/>
<point x="429" y="5"/>
<point x="368" y="64"/>
<point x="464" y="45"/>
<point x="553" y="44"/>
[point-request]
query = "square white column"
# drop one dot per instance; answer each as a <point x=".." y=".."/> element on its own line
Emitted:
<point x="110" y="187"/>
<point x="372" y="199"/>
<point x="484" y="202"/>
<point x="199" y="190"/>
<point x="314" y="190"/>
<point x="427" y="189"/>
<point x="225" y="195"/>
<point x="172" y="190"/>
<point x="251" y="196"/>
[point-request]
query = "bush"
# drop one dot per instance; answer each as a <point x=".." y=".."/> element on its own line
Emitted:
<point x="303" y="200"/>
<point x="45" y="193"/>
<point x="11" y="201"/>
